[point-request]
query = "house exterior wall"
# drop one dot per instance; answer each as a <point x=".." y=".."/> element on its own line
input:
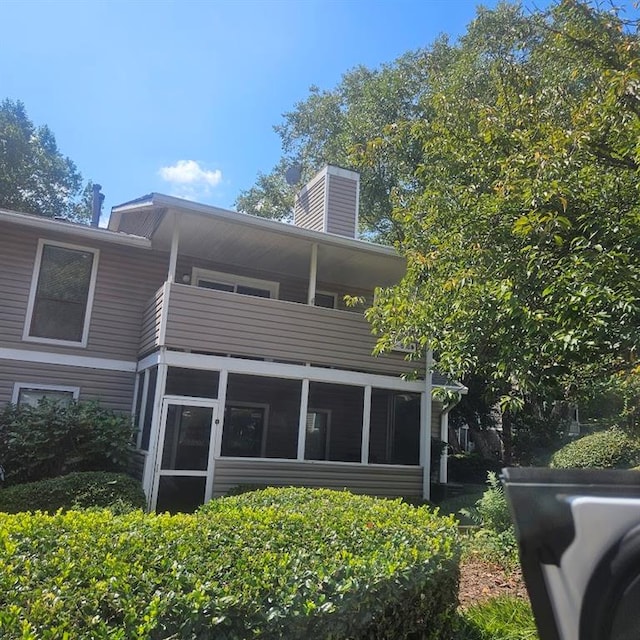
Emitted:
<point x="126" y="280"/>
<point x="113" y="389"/>
<point x="309" y="206"/>
<point x="380" y="480"/>
<point x="342" y="205"/>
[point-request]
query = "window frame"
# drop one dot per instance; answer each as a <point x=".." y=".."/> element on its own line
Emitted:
<point x="263" y="438"/>
<point x="235" y="281"/>
<point x="326" y="293"/>
<point x="327" y="435"/>
<point x="26" y="334"/>
<point x="36" y="386"/>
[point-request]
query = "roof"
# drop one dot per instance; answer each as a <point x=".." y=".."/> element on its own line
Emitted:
<point x="231" y="237"/>
<point x="76" y="229"/>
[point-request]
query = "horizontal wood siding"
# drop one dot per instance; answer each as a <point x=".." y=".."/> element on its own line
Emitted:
<point x="219" y="322"/>
<point x="309" y="206"/>
<point x="376" y="480"/>
<point x="113" y="389"/>
<point x="150" y="331"/>
<point x="342" y="205"/>
<point x="127" y="278"/>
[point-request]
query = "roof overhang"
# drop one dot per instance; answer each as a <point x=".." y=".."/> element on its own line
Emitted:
<point x="73" y="228"/>
<point x="229" y="237"/>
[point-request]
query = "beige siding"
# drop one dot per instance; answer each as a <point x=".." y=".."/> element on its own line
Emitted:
<point x="378" y="480"/>
<point x="151" y="318"/>
<point x="114" y="389"/>
<point x="309" y="206"/>
<point x="220" y="322"/>
<point x="342" y="203"/>
<point x="127" y="278"/>
<point x="436" y="413"/>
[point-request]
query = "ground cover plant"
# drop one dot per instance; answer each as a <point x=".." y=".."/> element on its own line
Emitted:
<point x="294" y="563"/>
<point x="80" y="490"/>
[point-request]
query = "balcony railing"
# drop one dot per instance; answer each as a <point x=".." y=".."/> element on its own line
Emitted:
<point x="219" y="322"/>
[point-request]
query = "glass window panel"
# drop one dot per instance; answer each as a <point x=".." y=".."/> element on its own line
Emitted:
<point x="61" y="294"/>
<point x="344" y="403"/>
<point x="196" y="383"/>
<point x="253" y="291"/>
<point x="274" y="403"/>
<point x="315" y="444"/>
<point x="327" y="300"/>
<point x="186" y="438"/>
<point x="180" y="494"/>
<point x="394" y="436"/>
<point x="218" y="286"/>
<point x="32" y="397"/>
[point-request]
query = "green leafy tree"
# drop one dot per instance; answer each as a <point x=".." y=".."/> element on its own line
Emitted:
<point x="334" y="126"/>
<point x="523" y="234"/>
<point x="34" y="176"/>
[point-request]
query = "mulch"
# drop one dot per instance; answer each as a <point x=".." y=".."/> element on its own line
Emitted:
<point x="481" y="580"/>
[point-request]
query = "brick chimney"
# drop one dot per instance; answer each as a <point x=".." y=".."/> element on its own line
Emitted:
<point x="329" y="202"/>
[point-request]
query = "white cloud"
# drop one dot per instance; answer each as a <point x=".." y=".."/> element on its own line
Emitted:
<point x="189" y="180"/>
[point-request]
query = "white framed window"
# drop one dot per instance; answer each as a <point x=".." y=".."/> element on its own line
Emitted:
<point x="325" y="299"/>
<point x="29" y="394"/>
<point x="317" y="438"/>
<point x="244" y="432"/>
<point x="236" y="284"/>
<point x="61" y="294"/>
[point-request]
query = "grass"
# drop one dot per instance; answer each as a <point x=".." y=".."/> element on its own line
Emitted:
<point x="503" y="618"/>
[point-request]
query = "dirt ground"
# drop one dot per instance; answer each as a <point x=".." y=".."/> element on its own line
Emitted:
<point x="481" y="580"/>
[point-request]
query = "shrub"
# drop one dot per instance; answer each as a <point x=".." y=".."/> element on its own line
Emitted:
<point x="80" y="490"/>
<point x="471" y="467"/>
<point x="610" y="449"/>
<point x="279" y="563"/>
<point x="53" y="439"/>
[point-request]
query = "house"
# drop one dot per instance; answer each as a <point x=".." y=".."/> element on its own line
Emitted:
<point x="227" y="337"/>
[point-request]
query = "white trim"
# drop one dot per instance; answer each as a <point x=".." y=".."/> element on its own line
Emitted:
<point x="173" y="256"/>
<point x="18" y="386"/>
<point x="149" y="361"/>
<point x="74" y="228"/>
<point x="152" y="462"/>
<point x="47" y="357"/>
<point x="313" y="274"/>
<point x="164" y="313"/>
<point x="223" y="380"/>
<point x="34" y="285"/>
<point x="143" y="407"/>
<point x="325" y="204"/>
<point x="292" y="371"/>
<point x="234" y="280"/>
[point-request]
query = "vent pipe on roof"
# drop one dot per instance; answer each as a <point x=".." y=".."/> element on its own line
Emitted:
<point x="97" y="199"/>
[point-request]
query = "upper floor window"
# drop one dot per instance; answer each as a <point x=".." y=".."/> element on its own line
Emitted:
<point x="325" y="299"/>
<point x="236" y="284"/>
<point x="61" y="294"/>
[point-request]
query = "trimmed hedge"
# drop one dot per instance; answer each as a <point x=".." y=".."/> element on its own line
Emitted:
<point x="611" y="449"/>
<point x="279" y="563"/>
<point x="54" y="439"/>
<point x="79" y="490"/>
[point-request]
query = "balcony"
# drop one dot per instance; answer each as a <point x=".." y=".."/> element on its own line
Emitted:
<point x="187" y="318"/>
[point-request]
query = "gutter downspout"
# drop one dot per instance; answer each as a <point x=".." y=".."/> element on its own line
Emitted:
<point x="426" y="462"/>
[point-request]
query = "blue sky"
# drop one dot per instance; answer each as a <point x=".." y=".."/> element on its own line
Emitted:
<point x="181" y="97"/>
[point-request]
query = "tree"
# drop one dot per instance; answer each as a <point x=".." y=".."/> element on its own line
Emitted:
<point x="523" y="236"/>
<point x="34" y="176"/>
<point x="331" y="127"/>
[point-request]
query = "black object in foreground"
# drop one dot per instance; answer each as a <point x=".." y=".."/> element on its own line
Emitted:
<point x="579" y="537"/>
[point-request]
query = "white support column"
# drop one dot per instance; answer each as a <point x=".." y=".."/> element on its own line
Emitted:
<point x="152" y="461"/>
<point x="366" y="425"/>
<point x="173" y="256"/>
<point x="302" y="423"/>
<point x="426" y="444"/>
<point x="313" y="274"/>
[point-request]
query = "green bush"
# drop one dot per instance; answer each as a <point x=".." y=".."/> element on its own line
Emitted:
<point x="53" y="439"/>
<point x="470" y="468"/>
<point x="80" y="490"/>
<point x="610" y="449"/>
<point x="278" y="563"/>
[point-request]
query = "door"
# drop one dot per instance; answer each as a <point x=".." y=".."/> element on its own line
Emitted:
<point x="184" y="462"/>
